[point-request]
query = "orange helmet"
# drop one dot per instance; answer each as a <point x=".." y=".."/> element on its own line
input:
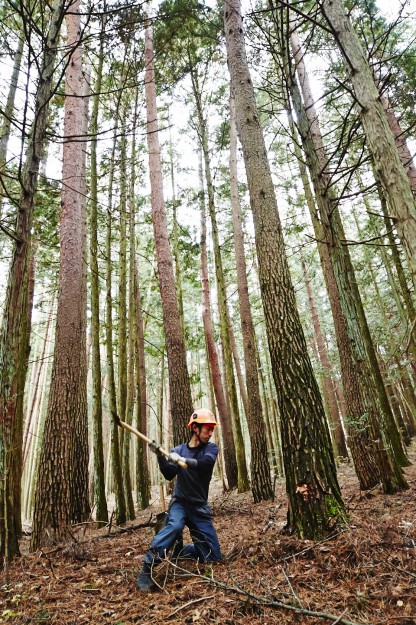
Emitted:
<point x="204" y="417"/>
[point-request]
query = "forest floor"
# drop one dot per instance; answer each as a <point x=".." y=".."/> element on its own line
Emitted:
<point x="365" y="573"/>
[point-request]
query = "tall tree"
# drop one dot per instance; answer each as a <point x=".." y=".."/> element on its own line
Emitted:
<point x="243" y="481"/>
<point x="13" y="340"/>
<point x="97" y="407"/>
<point x="380" y="140"/>
<point x="115" y="439"/>
<point x="179" y="386"/>
<point x="142" y="467"/>
<point x="327" y="382"/>
<point x="67" y="407"/>
<point x="261" y="484"/>
<point x="311" y="483"/>
<point x="374" y="413"/>
<point x="230" y="461"/>
<point x="8" y="109"/>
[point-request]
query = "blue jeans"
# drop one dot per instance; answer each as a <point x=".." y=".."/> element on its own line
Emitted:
<point x="205" y="540"/>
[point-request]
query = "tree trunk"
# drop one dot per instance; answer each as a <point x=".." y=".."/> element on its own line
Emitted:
<point x="363" y="386"/>
<point x="58" y="496"/>
<point x="121" y="515"/>
<point x="80" y="490"/>
<point x="131" y="387"/>
<point x="401" y="143"/>
<point x="122" y="342"/>
<point x="261" y="484"/>
<point x="175" y="236"/>
<point x="8" y="109"/>
<point x="142" y="470"/>
<point x="237" y="365"/>
<point x="100" y="501"/>
<point x="311" y="484"/>
<point x="243" y="482"/>
<point x="222" y="405"/>
<point x="380" y="140"/>
<point x="13" y="341"/>
<point x="179" y="386"/>
<point x="122" y="279"/>
<point x="329" y="390"/>
<point x="142" y="477"/>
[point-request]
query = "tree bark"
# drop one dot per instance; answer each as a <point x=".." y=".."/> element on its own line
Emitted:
<point x="329" y="390"/>
<point x="58" y="495"/>
<point x="121" y="514"/>
<point x="14" y="324"/>
<point x="179" y="386"/>
<point x="380" y="140"/>
<point x="368" y="401"/>
<point x="401" y="142"/>
<point x="261" y="484"/>
<point x="80" y="490"/>
<point x="142" y="469"/>
<point x="222" y="405"/>
<point x="311" y="483"/>
<point x="100" y="501"/>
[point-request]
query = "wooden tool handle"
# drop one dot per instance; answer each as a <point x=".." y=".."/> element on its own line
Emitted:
<point x="147" y="440"/>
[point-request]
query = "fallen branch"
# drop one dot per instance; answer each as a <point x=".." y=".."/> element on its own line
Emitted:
<point x="399" y="569"/>
<point x="320" y="542"/>
<point x="264" y="601"/>
<point x="298" y="601"/>
<point x="185" y="605"/>
<point x="237" y="510"/>
<point x="123" y="530"/>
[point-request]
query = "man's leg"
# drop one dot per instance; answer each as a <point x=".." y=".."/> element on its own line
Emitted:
<point x="161" y="543"/>
<point x="206" y="546"/>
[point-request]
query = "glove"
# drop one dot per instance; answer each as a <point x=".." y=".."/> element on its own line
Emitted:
<point x="153" y="446"/>
<point x="174" y="457"/>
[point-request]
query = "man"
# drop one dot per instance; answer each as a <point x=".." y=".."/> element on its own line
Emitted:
<point x="189" y="505"/>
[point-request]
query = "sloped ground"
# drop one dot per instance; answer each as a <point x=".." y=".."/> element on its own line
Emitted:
<point x="366" y="573"/>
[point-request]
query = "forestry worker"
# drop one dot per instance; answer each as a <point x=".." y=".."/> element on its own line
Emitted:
<point x="189" y="505"/>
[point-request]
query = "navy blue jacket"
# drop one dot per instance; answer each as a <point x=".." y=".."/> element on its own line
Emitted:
<point x="193" y="483"/>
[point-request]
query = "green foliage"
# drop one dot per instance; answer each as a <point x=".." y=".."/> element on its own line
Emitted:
<point x="185" y="35"/>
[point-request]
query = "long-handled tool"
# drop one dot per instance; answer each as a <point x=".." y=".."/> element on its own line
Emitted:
<point x="153" y="445"/>
<point x="161" y="517"/>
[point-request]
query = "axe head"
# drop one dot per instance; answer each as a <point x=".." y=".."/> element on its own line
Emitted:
<point x="161" y="520"/>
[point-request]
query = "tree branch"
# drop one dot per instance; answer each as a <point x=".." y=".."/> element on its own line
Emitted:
<point x="264" y="601"/>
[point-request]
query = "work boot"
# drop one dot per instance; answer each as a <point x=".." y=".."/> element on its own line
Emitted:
<point x="144" y="581"/>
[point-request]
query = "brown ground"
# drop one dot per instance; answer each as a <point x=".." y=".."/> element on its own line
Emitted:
<point x="364" y="574"/>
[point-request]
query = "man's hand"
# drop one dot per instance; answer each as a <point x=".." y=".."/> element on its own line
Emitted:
<point x="153" y="446"/>
<point x="176" y="458"/>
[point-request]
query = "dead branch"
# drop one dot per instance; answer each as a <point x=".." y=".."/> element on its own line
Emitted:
<point x="237" y="510"/>
<point x="401" y="570"/>
<point x="185" y="605"/>
<point x="298" y="601"/>
<point x="121" y="530"/>
<point x="265" y="601"/>
<point x="324" y="540"/>
<point x="131" y="528"/>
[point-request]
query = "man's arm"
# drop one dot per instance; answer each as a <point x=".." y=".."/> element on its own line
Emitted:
<point x="169" y="469"/>
<point x="206" y="462"/>
<point x="203" y="464"/>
